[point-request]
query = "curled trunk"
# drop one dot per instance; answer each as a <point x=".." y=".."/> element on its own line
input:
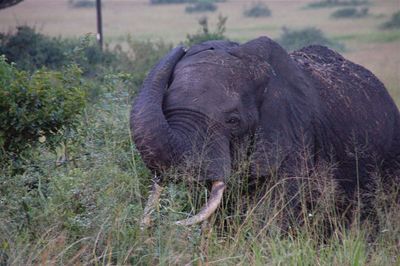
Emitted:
<point x="154" y="138"/>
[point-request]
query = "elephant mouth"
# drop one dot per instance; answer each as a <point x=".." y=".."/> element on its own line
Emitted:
<point x="208" y="209"/>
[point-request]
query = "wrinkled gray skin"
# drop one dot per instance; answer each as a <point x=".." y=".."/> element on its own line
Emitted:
<point x="218" y="94"/>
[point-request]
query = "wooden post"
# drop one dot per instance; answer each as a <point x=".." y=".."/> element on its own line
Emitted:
<point x="99" y="25"/>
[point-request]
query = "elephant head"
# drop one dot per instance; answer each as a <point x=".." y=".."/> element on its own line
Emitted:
<point x="204" y="99"/>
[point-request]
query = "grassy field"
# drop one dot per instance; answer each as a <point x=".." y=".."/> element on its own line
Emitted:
<point x="87" y="211"/>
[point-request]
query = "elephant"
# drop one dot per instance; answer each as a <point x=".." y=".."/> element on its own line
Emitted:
<point x="218" y="94"/>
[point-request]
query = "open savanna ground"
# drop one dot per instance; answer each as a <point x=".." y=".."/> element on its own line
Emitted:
<point x="79" y="201"/>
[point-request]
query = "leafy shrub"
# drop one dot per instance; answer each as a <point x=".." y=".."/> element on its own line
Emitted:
<point x="295" y="39"/>
<point x="39" y="107"/>
<point x="393" y="23"/>
<point x="257" y="10"/>
<point x="91" y="59"/>
<point x="31" y="50"/>
<point x="82" y="3"/>
<point x="350" y="12"/>
<point x="204" y="33"/>
<point x="335" y="3"/>
<point x="204" y="6"/>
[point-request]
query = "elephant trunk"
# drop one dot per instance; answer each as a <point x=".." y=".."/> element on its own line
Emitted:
<point x="154" y="138"/>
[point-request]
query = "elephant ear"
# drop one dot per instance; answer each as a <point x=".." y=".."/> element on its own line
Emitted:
<point x="268" y="60"/>
<point x="289" y="101"/>
<point x="272" y="67"/>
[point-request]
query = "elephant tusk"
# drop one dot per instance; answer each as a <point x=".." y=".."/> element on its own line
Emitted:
<point x="151" y="203"/>
<point x="217" y="191"/>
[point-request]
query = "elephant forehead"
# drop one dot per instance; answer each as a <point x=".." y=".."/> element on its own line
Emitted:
<point x="198" y="87"/>
<point x="212" y="72"/>
<point x="207" y="88"/>
<point x="201" y="80"/>
<point x="211" y="59"/>
<point x="208" y="77"/>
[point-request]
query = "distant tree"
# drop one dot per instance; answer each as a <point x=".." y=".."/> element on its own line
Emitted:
<point x="393" y="23"/>
<point x="8" y="3"/>
<point x="259" y="9"/>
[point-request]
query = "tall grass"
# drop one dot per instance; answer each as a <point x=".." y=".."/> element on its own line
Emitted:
<point x="87" y="211"/>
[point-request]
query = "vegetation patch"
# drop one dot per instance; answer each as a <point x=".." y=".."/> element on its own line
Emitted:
<point x="204" y="33"/>
<point x="82" y="3"/>
<point x="373" y="37"/>
<point x="296" y="39"/>
<point x="393" y="23"/>
<point x="203" y="6"/>
<point x="39" y="108"/>
<point x="336" y="3"/>
<point x="182" y="1"/>
<point x="256" y="10"/>
<point x="31" y="50"/>
<point x="350" y="12"/>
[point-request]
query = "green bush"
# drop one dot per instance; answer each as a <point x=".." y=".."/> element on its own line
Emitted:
<point x="31" y="50"/>
<point x="204" y="33"/>
<point x="350" y="12"/>
<point x="393" y="23"/>
<point x="296" y="39"/>
<point x="82" y="3"/>
<point x="257" y="10"/>
<point x="204" y="6"/>
<point x="91" y="59"/>
<point x="105" y="70"/>
<point x="336" y="3"/>
<point x="40" y="107"/>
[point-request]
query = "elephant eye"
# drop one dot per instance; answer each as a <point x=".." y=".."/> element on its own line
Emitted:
<point x="233" y="120"/>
